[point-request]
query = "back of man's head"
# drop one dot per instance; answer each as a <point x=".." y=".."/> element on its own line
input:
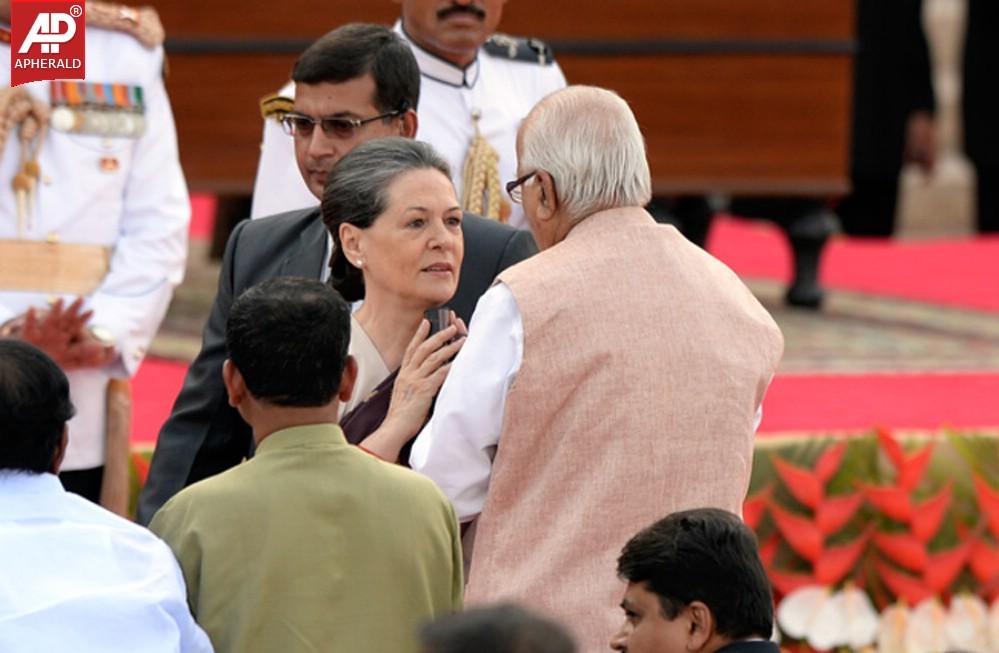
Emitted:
<point x="288" y="338"/>
<point x="495" y="629"/>
<point x="588" y="140"/>
<point x="357" y="49"/>
<point x="705" y="555"/>
<point x="34" y="408"/>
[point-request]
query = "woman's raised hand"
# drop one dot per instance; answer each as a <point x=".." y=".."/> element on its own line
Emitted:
<point x="425" y="365"/>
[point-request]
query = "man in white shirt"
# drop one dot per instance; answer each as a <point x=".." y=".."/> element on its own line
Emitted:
<point x="75" y="576"/>
<point x="613" y="378"/>
<point x="472" y="82"/>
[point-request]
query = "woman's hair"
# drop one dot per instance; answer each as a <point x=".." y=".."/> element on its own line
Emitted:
<point x="357" y="193"/>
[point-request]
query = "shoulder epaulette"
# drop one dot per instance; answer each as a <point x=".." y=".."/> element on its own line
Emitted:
<point x="518" y="48"/>
<point x="275" y="106"/>
<point x="143" y="23"/>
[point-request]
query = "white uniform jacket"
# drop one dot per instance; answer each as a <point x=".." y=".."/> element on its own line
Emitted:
<point x="128" y="194"/>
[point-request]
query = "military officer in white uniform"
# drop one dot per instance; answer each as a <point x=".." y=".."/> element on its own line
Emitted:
<point x="473" y="82"/>
<point x="107" y="211"/>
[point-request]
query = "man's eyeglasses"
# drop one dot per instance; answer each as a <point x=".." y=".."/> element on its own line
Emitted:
<point x="515" y="188"/>
<point x="301" y="125"/>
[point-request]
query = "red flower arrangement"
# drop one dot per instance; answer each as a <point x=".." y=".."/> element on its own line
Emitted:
<point x="882" y="536"/>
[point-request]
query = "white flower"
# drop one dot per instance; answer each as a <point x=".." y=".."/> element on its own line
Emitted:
<point x="925" y="632"/>
<point x="891" y="630"/>
<point x="966" y="624"/>
<point x="827" y="620"/>
<point x="797" y="611"/>
<point x="993" y="625"/>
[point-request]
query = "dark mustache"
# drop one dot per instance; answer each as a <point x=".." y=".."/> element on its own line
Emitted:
<point x="478" y="12"/>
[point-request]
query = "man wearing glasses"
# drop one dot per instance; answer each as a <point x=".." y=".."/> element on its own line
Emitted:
<point x="476" y="88"/>
<point x="575" y="412"/>
<point x="357" y="83"/>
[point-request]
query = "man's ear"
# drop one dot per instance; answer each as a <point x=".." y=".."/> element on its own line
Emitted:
<point x="701" y="626"/>
<point x="347" y="380"/>
<point x="235" y="385"/>
<point x="60" y="450"/>
<point x="408" y="124"/>
<point x="547" y="199"/>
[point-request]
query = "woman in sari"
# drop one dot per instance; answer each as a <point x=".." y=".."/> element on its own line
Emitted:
<point x="395" y="221"/>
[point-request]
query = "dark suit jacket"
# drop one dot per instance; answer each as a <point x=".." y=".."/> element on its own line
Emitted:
<point x="204" y="435"/>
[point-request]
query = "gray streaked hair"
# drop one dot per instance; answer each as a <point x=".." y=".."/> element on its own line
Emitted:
<point x="588" y="140"/>
<point x="357" y="193"/>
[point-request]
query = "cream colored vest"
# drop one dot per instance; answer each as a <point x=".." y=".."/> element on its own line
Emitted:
<point x="644" y="362"/>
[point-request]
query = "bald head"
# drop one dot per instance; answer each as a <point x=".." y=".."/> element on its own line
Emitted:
<point x="587" y="138"/>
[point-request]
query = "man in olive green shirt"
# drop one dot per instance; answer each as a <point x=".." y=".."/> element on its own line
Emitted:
<point x="313" y="544"/>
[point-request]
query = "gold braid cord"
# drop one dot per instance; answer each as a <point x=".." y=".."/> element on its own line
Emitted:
<point x="20" y="109"/>
<point x="141" y="22"/>
<point x="480" y="181"/>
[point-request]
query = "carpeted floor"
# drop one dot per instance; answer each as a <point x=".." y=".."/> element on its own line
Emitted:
<point x="154" y="388"/>
<point x="961" y="272"/>
<point x="847" y="402"/>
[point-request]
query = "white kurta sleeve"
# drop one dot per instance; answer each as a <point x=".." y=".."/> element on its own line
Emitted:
<point x="279" y="186"/>
<point x="456" y="448"/>
<point x="6" y="313"/>
<point x="151" y="244"/>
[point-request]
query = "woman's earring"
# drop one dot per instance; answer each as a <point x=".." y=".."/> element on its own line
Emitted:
<point x="360" y="263"/>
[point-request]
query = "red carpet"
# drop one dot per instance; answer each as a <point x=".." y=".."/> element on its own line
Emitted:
<point x="202" y="216"/>
<point x="962" y="273"/>
<point x="796" y="402"/>
<point x="154" y="388"/>
<point x="805" y="402"/>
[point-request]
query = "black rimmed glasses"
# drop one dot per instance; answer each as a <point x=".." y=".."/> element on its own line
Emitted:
<point x="514" y="188"/>
<point x="301" y="125"/>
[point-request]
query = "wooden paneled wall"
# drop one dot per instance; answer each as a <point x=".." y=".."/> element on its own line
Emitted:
<point x="732" y="95"/>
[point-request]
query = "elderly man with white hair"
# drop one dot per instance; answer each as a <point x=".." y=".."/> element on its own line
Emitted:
<point x="610" y="380"/>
